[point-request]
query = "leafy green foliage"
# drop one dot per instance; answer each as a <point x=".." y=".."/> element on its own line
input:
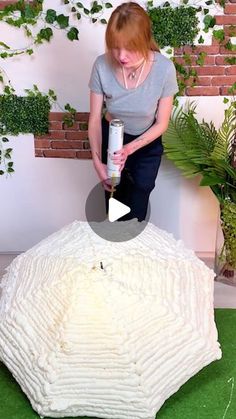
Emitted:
<point x="37" y="102"/>
<point x="198" y="148"/>
<point x="69" y="118"/>
<point x="173" y="26"/>
<point x="2" y="44"/>
<point x="63" y="21"/>
<point x="23" y="15"/>
<point x="6" y="166"/>
<point x="230" y="46"/>
<point x="8" y="90"/>
<point x="94" y="13"/>
<point x="185" y="72"/>
<point x="27" y="11"/>
<point x="72" y="34"/>
<point x="219" y="35"/>
<point x="24" y="114"/>
<point x="232" y="89"/>
<point x="44" y="34"/>
<point x="222" y="3"/>
<point x="209" y="22"/>
<point x="232" y="30"/>
<point x="50" y="16"/>
<point x="201" y="40"/>
<point x="228" y="224"/>
<point x="201" y="58"/>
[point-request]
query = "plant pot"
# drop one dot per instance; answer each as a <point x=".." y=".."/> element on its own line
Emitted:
<point x="225" y="254"/>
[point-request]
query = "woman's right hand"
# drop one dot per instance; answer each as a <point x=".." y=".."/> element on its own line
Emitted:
<point x="101" y="170"/>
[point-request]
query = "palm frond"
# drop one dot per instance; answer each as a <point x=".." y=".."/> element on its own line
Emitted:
<point x="175" y="142"/>
<point x="228" y="169"/>
<point x="197" y="147"/>
<point x="209" y="135"/>
<point x="187" y="142"/>
<point x="226" y="135"/>
<point x="200" y="133"/>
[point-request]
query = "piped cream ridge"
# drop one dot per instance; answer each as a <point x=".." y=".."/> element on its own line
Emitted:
<point x="112" y="343"/>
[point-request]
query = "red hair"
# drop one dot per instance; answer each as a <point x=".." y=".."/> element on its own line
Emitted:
<point x="129" y="27"/>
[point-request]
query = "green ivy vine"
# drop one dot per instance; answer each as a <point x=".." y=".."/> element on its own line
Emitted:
<point x="47" y="99"/>
<point x="6" y="165"/>
<point x="95" y="12"/>
<point x="29" y="114"/>
<point x="26" y="114"/>
<point x="220" y="36"/>
<point x="231" y="60"/>
<point x="172" y="27"/>
<point x="179" y="26"/>
<point x="28" y="15"/>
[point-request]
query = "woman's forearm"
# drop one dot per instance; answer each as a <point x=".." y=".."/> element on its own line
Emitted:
<point x="150" y="135"/>
<point x="95" y="127"/>
<point x="157" y="129"/>
<point x="95" y="140"/>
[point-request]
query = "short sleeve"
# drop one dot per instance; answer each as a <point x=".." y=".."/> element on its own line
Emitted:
<point x="95" y="81"/>
<point x="170" y="87"/>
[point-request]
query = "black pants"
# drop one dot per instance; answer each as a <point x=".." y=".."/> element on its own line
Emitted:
<point x="138" y="176"/>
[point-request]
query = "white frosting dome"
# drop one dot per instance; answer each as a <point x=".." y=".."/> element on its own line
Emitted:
<point x="110" y="343"/>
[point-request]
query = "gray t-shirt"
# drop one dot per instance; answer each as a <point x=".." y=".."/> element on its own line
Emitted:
<point x="137" y="106"/>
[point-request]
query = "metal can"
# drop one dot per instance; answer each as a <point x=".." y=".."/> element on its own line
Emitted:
<point x="115" y="143"/>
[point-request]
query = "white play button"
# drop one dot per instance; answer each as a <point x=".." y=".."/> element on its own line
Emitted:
<point x="100" y="217"/>
<point x="116" y="210"/>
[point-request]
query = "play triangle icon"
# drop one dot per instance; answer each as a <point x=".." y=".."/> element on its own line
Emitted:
<point x="116" y="210"/>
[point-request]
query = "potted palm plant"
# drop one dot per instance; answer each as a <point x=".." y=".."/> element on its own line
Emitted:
<point x="199" y="148"/>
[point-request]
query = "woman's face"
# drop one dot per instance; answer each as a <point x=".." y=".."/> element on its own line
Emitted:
<point x="127" y="58"/>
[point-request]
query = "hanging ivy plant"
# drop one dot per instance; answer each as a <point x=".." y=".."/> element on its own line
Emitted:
<point x="173" y="26"/>
<point x="179" y="26"/>
<point x="6" y="165"/>
<point x="230" y="60"/>
<point x="209" y="22"/>
<point x="95" y="12"/>
<point x="27" y="15"/>
<point x="26" y="114"/>
<point x="29" y="114"/>
<point x="232" y="89"/>
<point x="219" y="34"/>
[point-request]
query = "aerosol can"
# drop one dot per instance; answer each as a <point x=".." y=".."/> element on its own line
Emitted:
<point x="115" y="143"/>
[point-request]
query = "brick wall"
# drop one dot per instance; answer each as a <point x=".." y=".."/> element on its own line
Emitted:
<point x="5" y="3"/>
<point x="215" y="76"/>
<point x="62" y="141"/>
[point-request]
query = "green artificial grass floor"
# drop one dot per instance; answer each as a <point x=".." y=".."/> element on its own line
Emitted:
<point x="209" y="394"/>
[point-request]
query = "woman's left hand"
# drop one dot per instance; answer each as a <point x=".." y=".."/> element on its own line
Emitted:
<point x="120" y="157"/>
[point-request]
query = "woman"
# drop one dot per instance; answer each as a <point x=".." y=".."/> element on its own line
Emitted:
<point x="137" y="84"/>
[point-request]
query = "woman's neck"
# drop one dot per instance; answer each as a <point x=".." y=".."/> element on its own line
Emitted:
<point x="132" y="72"/>
<point x="134" y="76"/>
